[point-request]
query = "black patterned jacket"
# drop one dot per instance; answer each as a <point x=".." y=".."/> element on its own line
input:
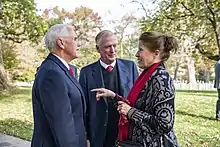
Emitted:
<point x="152" y="118"/>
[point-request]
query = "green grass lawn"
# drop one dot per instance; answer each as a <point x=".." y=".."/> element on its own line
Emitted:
<point x="195" y="123"/>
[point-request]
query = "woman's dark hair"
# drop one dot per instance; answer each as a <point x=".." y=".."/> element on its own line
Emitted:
<point x="158" y="41"/>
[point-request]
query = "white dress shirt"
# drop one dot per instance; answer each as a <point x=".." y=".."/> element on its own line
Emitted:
<point x="63" y="61"/>
<point x="106" y="65"/>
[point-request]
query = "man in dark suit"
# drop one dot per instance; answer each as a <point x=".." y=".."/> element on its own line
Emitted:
<point x="111" y="73"/>
<point x="58" y="99"/>
<point x="217" y="86"/>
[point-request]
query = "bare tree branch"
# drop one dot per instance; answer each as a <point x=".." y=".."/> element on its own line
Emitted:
<point x="208" y="54"/>
<point x="182" y="15"/>
<point x="189" y="10"/>
<point x="214" y="25"/>
<point x="14" y="39"/>
<point x="142" y="7"/>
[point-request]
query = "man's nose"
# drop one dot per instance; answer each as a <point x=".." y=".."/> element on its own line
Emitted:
<point x="112" y="48"/>
<point x="137" y="54"/>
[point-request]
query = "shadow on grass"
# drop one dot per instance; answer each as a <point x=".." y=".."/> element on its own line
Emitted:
<point x="15" y="92"/>
<point x="198" y="91"/>
<point x="16" y="128"/>
<point x="200" y="94"/>
<point x="21" y="90"/>
<point x="4" y="95"/>
<point x="193" y="115"/>
<point x="28" y="100"/>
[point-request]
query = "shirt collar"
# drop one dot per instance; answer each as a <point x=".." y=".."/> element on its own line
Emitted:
<point x="106" y="65"/>
<point x="63" y="61"/>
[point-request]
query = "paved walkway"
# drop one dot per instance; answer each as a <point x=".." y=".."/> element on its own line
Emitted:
<point x="9" y="141"/>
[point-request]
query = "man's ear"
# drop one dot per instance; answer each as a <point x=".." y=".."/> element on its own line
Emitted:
<point x="97" y="48"/>
<point x="60" y="43"/>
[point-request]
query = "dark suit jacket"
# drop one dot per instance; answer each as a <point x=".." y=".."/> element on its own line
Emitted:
<point x="58" y="107"/>
<point x="217" y="75"/>
<point x="90" y="78"/>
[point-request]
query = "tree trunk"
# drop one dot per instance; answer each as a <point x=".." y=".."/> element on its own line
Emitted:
<point x="176" y="70"/>
<point x="191" y="72"/>
<point x="4" y="83"/>
<point x="207" y="75"/>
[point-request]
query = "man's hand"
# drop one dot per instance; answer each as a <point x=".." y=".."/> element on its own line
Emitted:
<point x="102" y="92"/>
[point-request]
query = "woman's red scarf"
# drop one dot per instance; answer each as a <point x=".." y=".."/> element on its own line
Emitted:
<point x="132" y="97"/>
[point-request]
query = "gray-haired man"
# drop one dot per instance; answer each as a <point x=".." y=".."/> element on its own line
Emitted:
<point x="58" y="100"/>
<point x="108" y="72"/>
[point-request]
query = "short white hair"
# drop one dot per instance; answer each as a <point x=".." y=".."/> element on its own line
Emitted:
<point x="55" y="32"/>
<point x="103" y="34"/>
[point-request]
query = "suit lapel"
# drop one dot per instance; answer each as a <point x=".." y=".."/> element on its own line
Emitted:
<point x="124" y="79"/>
<point x="64" y="68"/>
<point x="75" y="82"/>
<point x="97" y="75"/>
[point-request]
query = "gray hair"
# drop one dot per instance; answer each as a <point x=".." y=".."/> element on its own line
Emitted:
<point x="55" y="32"/>
<point x="102" y="34"/>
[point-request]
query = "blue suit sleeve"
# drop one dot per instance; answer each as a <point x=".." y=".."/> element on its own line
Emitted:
<point x="83" y="83"/>
<point x="57" y="109"/>
<point x="135" y="72"/>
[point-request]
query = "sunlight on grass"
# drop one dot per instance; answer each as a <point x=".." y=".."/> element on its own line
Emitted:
<point x="195" y="123"/>
<point x="16" y="113"/>
<point x="195" y="119"/>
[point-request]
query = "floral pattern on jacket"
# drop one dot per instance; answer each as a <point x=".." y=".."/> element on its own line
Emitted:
<point x="152" y="118"/>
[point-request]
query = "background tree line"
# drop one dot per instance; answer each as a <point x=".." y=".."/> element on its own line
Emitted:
<point x="194" y="23"/>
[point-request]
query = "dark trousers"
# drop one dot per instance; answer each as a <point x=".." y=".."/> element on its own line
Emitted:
<point x="112" y="126"/>
<point x="218" y="105"/>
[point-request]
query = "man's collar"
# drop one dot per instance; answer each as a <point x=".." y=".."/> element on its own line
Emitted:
<point x="63" y="61"/>
<point x="106" y="65"/>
